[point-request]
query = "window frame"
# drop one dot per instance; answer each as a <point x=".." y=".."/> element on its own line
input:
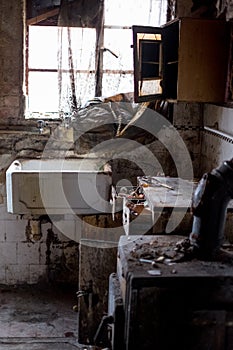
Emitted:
<point x="99" y="71"/>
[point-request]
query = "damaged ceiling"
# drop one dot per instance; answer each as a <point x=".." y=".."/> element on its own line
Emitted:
<point x="85" y="13"/>
<point x="79" y="13"/>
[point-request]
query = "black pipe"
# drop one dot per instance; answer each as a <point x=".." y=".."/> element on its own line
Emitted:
<point x="210" y="202"/>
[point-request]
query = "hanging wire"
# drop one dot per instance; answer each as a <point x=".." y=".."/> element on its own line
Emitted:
<point x="83" y="92"/>
<point x="59" y="59"/>
<point x="73" y="99"/>
<point x="150" y="11"/>
<point x="79" y="63"/>
<point x="160" y="12"/>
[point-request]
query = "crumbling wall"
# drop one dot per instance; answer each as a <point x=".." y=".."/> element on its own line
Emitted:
<point x="11" y="61"/>
<point x="50" y="257"/>
<point x="53" y="256"/>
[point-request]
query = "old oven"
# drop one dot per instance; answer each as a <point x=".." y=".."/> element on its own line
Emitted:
<point x="173" y="303"/>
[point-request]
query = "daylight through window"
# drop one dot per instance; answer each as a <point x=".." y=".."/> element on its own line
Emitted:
<point x="54" y="88"/>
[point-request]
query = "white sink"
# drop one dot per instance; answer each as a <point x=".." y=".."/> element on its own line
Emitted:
<point x="58" y="186"/>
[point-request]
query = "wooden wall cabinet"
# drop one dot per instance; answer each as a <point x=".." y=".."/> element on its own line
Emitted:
<point x="184" y="60"/>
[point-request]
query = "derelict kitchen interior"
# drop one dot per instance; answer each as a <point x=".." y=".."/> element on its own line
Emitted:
<point x="116" y="174"/>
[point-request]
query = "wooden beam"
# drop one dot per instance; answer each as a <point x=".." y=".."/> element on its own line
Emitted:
<point x="43" y="16"/>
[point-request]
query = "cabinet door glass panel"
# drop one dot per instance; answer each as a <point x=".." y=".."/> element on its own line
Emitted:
<point x="147" y="63"/>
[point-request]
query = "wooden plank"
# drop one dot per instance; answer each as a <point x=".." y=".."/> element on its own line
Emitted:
<point x="43" y="17"/>
<point x="203" y="53"/>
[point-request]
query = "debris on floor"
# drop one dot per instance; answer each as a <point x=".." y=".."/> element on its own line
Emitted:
<point x="34" y="317"/>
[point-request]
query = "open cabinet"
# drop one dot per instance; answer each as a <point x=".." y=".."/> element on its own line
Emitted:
<point x="184" y="60"/>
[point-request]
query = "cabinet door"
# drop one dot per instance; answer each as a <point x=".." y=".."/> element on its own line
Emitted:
<point x="148" y="63"/>
<point x="170" y="58"/>
<point x="203" y="60"/>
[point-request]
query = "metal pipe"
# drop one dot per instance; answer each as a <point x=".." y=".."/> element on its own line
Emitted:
<point x="210" y="202"/>
<point x="219" y="133"/>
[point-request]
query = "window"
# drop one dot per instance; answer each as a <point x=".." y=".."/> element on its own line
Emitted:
<point x="44" y="66"/>
<point x="51" y="83"/>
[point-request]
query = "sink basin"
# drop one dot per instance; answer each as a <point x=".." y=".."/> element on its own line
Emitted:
<point x="58" y="186"/>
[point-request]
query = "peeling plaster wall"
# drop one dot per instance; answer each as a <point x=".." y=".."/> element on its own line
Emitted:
<point x="216" y="147"/>
<point x="11" y="61"/>
<point x="54" y="257"/>
<point x="188" y="122"/>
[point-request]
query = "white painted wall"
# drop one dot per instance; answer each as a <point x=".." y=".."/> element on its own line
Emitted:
<point x="215" y="149"/>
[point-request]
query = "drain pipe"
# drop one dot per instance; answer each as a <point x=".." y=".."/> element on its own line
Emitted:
<point x="210" y="201"/>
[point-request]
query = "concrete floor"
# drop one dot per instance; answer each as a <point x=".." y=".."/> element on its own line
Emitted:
<point x="38" y="318"/>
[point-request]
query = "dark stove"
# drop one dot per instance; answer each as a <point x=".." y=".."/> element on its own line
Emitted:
<point x="162" y="300"/>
